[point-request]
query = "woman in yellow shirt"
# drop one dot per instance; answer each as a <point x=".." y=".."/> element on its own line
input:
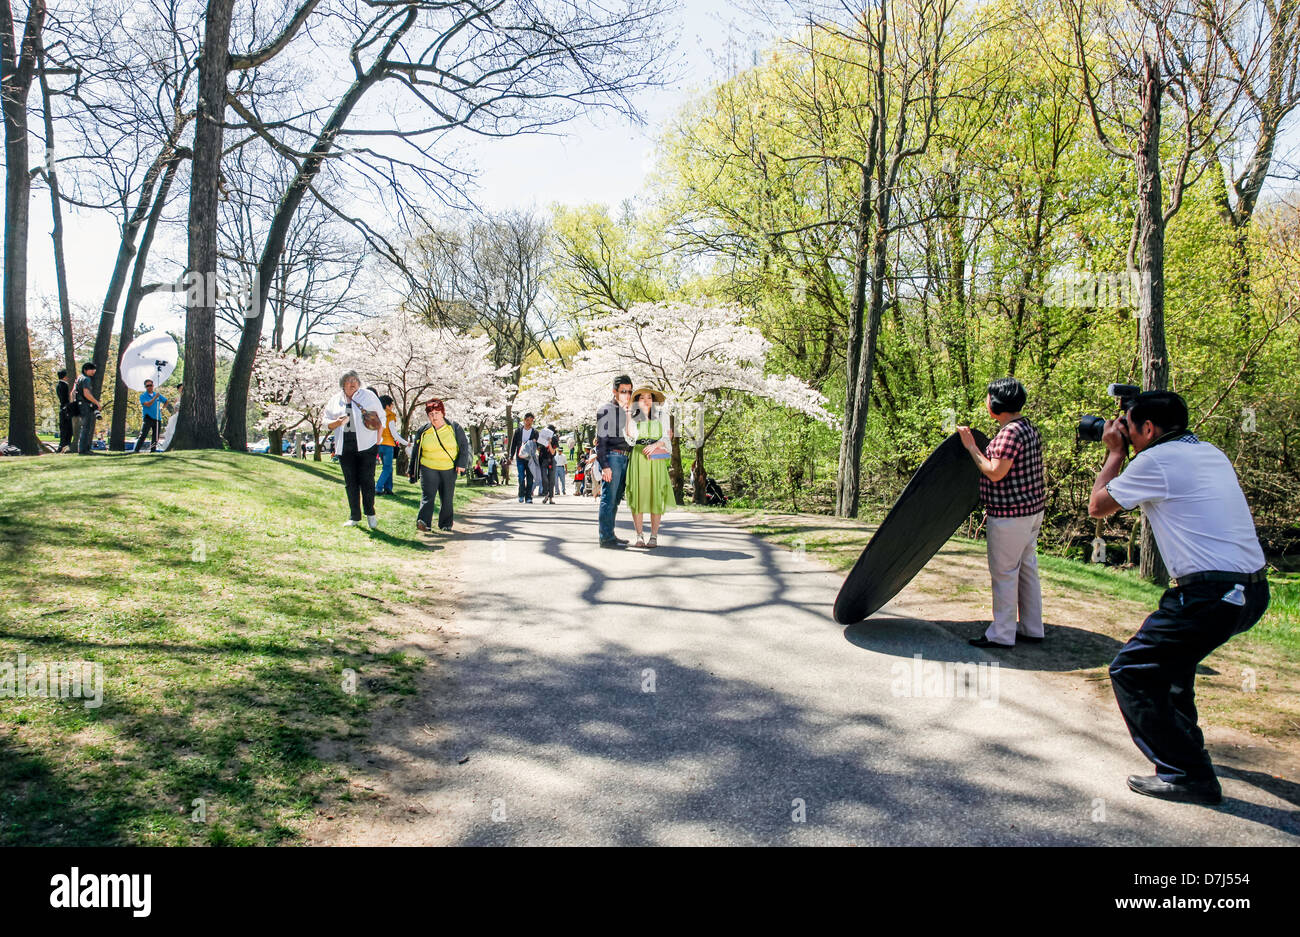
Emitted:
<point x="441" y="453"/>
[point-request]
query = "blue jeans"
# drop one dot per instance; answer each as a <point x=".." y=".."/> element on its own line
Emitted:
<point x="525" y="479"/>
<point x="385" y="483"/>
<point x="612" y="493"/>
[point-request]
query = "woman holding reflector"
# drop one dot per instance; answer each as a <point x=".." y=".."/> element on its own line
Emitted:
<point x="1014" y="495"/>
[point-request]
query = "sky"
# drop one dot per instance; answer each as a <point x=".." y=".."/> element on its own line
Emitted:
<point x="600" y="158"/>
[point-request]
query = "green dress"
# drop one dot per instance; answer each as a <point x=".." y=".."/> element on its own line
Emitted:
<point x="649" y="487"/>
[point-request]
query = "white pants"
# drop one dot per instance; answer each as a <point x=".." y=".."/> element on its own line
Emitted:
<point x="1013" y="564"/>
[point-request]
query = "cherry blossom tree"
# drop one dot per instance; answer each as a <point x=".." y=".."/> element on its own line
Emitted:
<point x="701" y="355"/>
<point x="401" y="355"/>
<point x="293" y="393"/>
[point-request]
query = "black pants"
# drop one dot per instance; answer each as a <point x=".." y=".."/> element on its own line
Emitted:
<point x="437" y="484"/>
<point x="1154" y="675"/>
<point x="150" y="426"/>
<point x="65" y="429"/>
<point x="546" y="461"/>
<point x="358" y="476"/>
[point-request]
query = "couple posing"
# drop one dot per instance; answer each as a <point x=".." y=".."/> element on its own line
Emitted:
<point x="633" y="446"/>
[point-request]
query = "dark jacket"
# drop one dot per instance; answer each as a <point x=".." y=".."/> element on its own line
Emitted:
<point x="610" y="419"/>
<point x="517" y="439"/>
<point x="462" y="451"/>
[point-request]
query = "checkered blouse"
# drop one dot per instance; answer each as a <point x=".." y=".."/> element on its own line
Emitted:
<point x="1021" y="492"/>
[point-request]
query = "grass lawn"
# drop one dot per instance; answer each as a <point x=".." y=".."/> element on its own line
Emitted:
<point x="1252" y="683"/>
<point x="229" y="610"/>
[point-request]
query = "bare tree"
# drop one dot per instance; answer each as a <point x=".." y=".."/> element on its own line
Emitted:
<point x="494" y="68"/>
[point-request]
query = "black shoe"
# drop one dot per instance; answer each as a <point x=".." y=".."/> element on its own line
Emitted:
<point x="1028" y="639"/>
<point x="1191" y="792"/>
<point x="613" y="544"/>
<point x="528" y="501"/>
<point x="445" y="530"/>
<point x="622" y="541"/>
<point x="985" y="642"/>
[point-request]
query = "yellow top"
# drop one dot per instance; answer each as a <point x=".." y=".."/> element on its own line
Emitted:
<point x="440" y="457"/>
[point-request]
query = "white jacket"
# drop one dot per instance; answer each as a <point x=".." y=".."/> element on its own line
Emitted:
<point x="337" y="409"/>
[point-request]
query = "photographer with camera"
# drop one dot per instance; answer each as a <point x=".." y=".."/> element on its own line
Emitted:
<point x="88" y="406"/>
<point x="1190" y="496"/>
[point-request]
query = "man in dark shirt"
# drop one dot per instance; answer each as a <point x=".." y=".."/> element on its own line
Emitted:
<point x="523" y="449"/>
<point x="63" y="390"/>
<point x="612" y="451"/>
<point x="83" y="396"/>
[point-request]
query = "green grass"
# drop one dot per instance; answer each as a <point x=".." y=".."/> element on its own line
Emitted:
<point x="224" y="601"/>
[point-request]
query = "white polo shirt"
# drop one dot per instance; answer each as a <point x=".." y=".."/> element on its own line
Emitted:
<point x="1189" y="493"/>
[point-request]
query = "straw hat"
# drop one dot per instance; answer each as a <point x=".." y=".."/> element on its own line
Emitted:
<point x="656" y="395"/>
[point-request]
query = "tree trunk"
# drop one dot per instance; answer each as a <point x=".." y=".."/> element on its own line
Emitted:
<point x="850" y="459"/>
<point x="250" y="337"/>
<point x="1151" y="262"/>
<point x="198" y="426"/>
<point x="56" y="211"/>
<point x="121" y="395"/>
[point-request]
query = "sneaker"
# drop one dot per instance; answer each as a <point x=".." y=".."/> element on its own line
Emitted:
<point x="352" y="523"/>
<point x="422" y="527"/>
<point x="373" y="521"/>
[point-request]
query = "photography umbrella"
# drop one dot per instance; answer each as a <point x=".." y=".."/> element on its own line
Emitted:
<point x="940" y="496"/>
<point x="150" y="357"/>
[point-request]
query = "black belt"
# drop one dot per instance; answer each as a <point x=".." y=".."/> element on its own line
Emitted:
<point x="1214" y="575"/>
<point x="646" y="442"/>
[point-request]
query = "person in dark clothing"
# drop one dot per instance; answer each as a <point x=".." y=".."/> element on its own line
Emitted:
<point x="83" y="396"/>
<point x="612" y="451"/>
<point x="63" y="390"/>
<point x="523" y="449"/>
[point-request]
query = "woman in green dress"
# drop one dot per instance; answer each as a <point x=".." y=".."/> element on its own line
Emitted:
<point x="649" y="489"/>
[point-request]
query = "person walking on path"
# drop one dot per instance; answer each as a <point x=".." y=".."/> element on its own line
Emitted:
<point x="1014" y="494"/>
<point x="440" y="454"/>
<point x="561" y="469"/>
<point x="356" y="417"/>
<point x="389" y="440"/>
<point x="63" y="390"/>
<point x="87" y="406"/>
<point x="523" y="449"/>
<point x="151" y="403"/>
<point x="612" y="450"/>
<point x="649" y="488"/>
<point x="546" y="440"/>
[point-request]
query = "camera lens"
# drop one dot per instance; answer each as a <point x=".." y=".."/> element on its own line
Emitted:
<point x="1091" y="428"/>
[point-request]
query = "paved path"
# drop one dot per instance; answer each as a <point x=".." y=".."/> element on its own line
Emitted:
<point x="702" y="694"/>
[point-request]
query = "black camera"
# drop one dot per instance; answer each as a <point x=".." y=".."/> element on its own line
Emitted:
<point x="1091" y="427"/>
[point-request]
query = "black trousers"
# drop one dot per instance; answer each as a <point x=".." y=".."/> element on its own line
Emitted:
<point x="65" y="429"/>
<point x="546" y="461"/>
<point x="1154" y="675"/>
<point x="150" y="426"/>
<point x="439" y="484"/>
<point x="358" y="476"/>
